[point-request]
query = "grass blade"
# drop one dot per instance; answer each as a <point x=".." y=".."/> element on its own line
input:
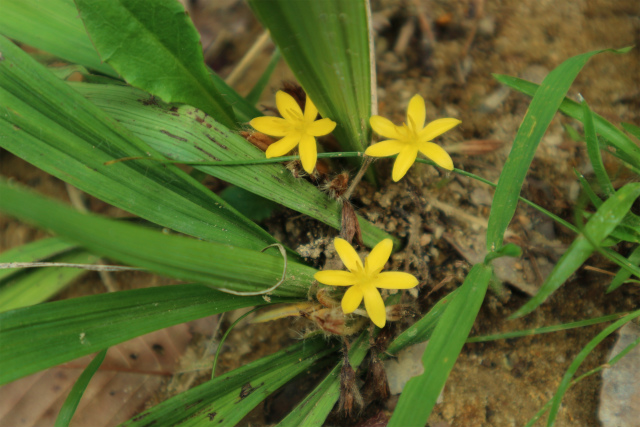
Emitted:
<point x="315" y="408"/>
<point x="566" y="379"/>
<point x="326" y="44"/>
<point x="52" y="26"/>
<point x="603" y="127"/>
<point x="624" y="274"/>
<point x="76" y="327"/>
<point x="186" y="134"/>
<point x="421" y="392"/>
<point x="547" y="329"/>
<point x="593" y="149"/>
<point x="73" y="399"/>
<point x="159" y="52"/>
<point x="225" y="400"/>
<point x="55" y="128"/>
<point x="632" y="129"/>
<point x="599" y="226"/>
<point x="211" y="263"/>
<point x="243" y="109"/>
<point x="543" y="107"/>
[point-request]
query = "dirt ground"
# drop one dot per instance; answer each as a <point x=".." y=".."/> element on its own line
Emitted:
<point x="442" y="218"/>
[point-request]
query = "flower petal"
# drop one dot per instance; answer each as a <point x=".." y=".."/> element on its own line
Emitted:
<point x="385" y="148"/>
<point x="384" y="127"/>
<point x="437" y="154"/>
<point x="416" y="112"/>
<point x="375" y="261"/>
<point x="404" y="161"/>
<point x="395" y="280"/>
<point x="336" y="278"/>
<point x="351" y="299"/>
<point x="375" y="306"/>
<point x="308" y="153"/>
<point x="282" y="147"/>
<point x="310" y="110"/>
<point x="321" y="127"/>
<point x="274" y="126"/>
<point x="287" y="106"/>
<point x="436" y="128"/>
<point x="348" y="255"/>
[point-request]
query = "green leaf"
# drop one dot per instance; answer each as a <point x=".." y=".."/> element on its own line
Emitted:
<point x="603" y="127"/>
<point x="225" y="400"/>
<point x="326" y="44"/>
<point x="154" y="46"/>
<point x="50" y="125"/>
<point x="593" y="149"/>
<point x="632" y="129"/>
<point x="73" y="399"/>
<point x="52" y="26"/>
<point x="35" y="285"/>
<point x="249" y="204"/>
<point x="624" y="274"/>
<point x="566" y="379"/>
<point x="315" y="408"/>
<point x="600" y="225"/>
<point x="420" y="393"/>
<point x="186" y="134"/>
<point x="542" y="109"/>
<point x="244" y="110"/>
<point x="213" y="264"/>
<point x="76" y="327"/>
<point x="254" y="96"/>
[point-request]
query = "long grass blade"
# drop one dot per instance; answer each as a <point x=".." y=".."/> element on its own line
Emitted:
<point x="543" y="107"/>
<point x="593" y="149"/>
<point x="599" y="226"/>
<point x="76" y="327"/>
<point x="623" y="274"/>
<point x="210" y="263"/>
<point x="421" y="392"/>
<point x="159" y="52"/>
<point x="73" y="399"/>
<point x="55" y="128"/>
<point x="603" y="127"/>
<point x="547" y="329"/>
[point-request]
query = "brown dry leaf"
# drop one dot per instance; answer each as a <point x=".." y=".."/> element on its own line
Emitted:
<point x="128" y="377"/>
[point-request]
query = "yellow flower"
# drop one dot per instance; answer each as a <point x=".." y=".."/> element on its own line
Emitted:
<point x="364" y="281"/>
<point x="411" y="137"/>
<point x="296" y="128"/>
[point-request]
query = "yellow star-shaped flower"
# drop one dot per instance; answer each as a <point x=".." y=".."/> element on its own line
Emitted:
<point x="364" y="281"/>
<point x="411" y="137"/>
<point x="296" y="127"/>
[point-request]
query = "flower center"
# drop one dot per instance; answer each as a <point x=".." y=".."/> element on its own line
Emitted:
<point x="409" y="132"/>
<point x="299" y="123"/>
<point x="363" y="278"/>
